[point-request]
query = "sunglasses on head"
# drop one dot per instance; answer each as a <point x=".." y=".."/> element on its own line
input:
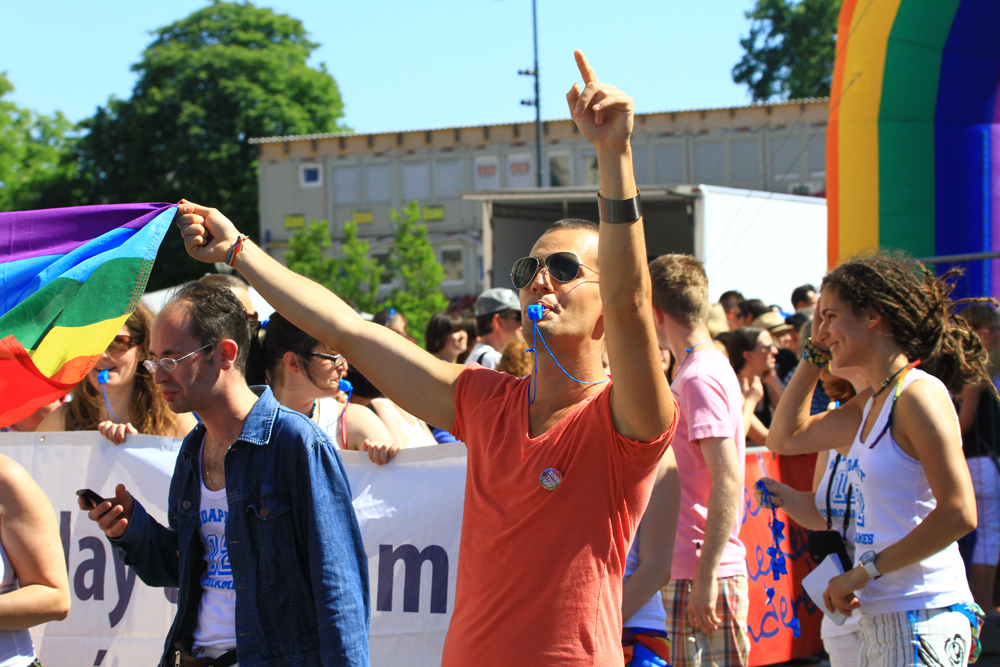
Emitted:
<point x="561" y="266"/>
<point x="122" y="343"/>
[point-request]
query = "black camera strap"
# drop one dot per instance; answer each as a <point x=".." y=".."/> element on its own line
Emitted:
<point x="847" y="509"/>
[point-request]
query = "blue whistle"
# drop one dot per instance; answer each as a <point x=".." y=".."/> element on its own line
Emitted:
<point x="535" y="312"/>
<point x="102" y="376"/>
<point x="345" y="386"/>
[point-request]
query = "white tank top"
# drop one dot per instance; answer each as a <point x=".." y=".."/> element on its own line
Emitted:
<point x="650" y="615"/>
<point x="216" y="627"/>
<point x="16" y="649"/>
<point x="838" y="505"/>
<point x="328" y="419"/>
<point x="892" y="497"/>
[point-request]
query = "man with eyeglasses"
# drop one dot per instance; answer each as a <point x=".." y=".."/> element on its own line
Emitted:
<point x="560" y="465"/>
<point x="498" y="322"/>
<point x="262" y="539"/>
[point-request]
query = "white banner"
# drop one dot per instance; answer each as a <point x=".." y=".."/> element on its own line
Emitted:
<point x="410" y="513"/>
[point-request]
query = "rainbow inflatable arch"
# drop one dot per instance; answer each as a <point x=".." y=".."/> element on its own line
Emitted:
<point x="913" y="142"/>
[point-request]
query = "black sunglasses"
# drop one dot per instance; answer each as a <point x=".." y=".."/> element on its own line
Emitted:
<point x="562" y="266"/>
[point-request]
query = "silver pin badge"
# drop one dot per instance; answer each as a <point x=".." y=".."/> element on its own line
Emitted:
<point x="550" y="479"/>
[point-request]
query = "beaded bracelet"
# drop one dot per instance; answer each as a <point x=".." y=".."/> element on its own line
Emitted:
<point x="235" y="250"/>
<point x="815" y="355"/>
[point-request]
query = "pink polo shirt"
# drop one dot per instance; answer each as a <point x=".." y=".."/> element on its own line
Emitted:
<point x="710" y="403"/>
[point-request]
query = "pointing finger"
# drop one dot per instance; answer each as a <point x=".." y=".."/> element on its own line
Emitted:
<point x="586" y="71"/>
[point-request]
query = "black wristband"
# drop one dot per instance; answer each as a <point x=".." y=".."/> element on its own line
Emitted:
<point x="619" y="211"/>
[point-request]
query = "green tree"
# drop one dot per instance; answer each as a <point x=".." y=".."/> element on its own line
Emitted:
<point x="307" y="253"/>
<point x="358" y="276"/>
<point x="352" y="276"/>
<point x="32" y="150"/>
<point x="413" y="259"/>
<point x="206" y="84"/>
<point x="790" y="50"/>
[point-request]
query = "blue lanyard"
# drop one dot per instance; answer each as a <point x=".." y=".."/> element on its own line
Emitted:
<point x="535" y="313"/>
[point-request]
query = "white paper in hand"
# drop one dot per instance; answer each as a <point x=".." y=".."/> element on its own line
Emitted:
<point x="816" y="582"/>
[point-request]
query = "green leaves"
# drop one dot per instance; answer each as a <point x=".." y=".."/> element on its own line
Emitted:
<point x="207" y="83"/>
<point x="413" y="259"/>
<point x="356" y="277"/>
<point x="790" y="50"/>
<point x="33" y="153"/>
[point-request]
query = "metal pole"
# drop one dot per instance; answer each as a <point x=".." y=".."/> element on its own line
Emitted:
<point x="538" y="98"/>
<point x="968" y="257"/>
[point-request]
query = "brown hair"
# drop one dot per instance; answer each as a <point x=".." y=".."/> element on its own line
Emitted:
<point x="149" y="412"/>
<point x="680" y="288"/>
<point x="515" y="360"/>
<point x="839" y="389"/>
<point x="918" y="312"/>
<point x="742" y="340"/>
<point x="980" y="315"/>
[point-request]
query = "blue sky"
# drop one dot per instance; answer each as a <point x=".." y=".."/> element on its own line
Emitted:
<point x="403" y="64"/>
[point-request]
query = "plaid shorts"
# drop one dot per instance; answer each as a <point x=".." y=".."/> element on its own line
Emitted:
<point x="691" y="647"/>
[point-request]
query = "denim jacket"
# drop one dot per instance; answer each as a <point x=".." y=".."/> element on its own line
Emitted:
<point x="299" y="565"/>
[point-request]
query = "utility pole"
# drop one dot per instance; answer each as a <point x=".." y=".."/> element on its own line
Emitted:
<point x="537" y="102"/>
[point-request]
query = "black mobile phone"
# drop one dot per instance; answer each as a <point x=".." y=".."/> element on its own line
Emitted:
<point x="90" y="496"/>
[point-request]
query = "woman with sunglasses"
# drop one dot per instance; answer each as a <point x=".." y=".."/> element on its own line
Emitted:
<point x="304" y="375"/>
<point x="752" y="354"/>
<point x="118" y="396"/>
<point x="912" y="491"/>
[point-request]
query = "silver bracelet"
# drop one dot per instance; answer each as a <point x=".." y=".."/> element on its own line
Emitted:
<point x="619" y="211"/>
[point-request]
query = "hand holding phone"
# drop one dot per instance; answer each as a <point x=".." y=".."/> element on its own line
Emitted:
<point x="113" y="521"/>
<point x="90" y="497"/>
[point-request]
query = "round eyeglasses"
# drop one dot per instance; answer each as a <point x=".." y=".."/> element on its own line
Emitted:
<point x="561" y="266"/>
<point x="169" y="364"/>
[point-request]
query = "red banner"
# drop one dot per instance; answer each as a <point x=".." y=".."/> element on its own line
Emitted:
<point x="770" y="623"/>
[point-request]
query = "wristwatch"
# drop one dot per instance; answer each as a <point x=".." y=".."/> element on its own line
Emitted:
<point x="867" y="561"/>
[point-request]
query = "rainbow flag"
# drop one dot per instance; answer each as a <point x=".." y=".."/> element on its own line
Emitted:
<point x="913" y="140"/>
<point x="69" y="278"/>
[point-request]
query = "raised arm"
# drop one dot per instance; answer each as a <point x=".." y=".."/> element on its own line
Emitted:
<point x="414" y="379"/>
<point x="793" y="430"/>
<point x="641" y="404"/>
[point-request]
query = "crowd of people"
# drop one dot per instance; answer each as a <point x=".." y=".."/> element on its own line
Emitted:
<point x="606" y="463"/>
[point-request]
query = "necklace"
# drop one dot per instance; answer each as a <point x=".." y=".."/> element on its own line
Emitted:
<point x="312" y="410"/>
<point x="885" y="383"/>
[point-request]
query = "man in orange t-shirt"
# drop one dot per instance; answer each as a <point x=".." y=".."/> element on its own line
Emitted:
<point x="559" y="471"/>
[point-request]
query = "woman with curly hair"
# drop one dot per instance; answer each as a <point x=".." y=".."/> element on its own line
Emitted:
<point x="127" y="401"/>
<point x="893" y="319"/>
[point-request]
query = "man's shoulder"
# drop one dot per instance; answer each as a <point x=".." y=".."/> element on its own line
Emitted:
<point x="292" y="428"/>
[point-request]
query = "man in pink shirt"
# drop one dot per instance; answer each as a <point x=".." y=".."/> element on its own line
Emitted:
<point x="706" y="599"/>
<point x="560" y="470"/>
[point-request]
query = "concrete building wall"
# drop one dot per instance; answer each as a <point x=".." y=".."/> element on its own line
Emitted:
<point x="343" y="177"/>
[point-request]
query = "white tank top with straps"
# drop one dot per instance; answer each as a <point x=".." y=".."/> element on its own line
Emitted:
<point x="892" y="497"/>
<point x="16" y="649"/>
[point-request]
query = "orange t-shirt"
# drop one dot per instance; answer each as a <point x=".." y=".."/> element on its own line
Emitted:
<point x="540" y="572"/>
